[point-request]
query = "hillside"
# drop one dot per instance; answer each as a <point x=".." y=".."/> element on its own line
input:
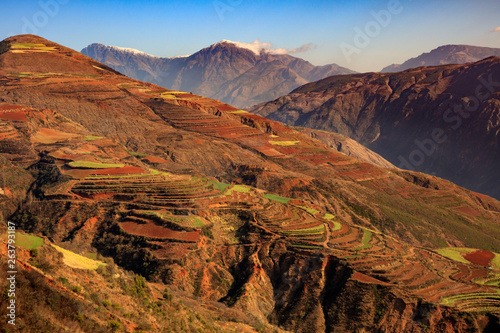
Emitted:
<point x="444" y="55"/>
<point x="427" y="119"/>
<point x="237" y="222"/>
<point x="225" y="71"/>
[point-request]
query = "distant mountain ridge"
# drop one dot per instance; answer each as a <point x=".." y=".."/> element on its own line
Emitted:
<point x="395" y="114"/>
<point x="225" y="71"/>
<point x="444" y="55"/>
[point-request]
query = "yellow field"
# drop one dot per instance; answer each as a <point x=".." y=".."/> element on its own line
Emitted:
<point x="74" y="260"/>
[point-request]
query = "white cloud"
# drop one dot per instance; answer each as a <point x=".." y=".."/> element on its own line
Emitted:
<point x="497" y="29"/>
<point x="257" y="46"/>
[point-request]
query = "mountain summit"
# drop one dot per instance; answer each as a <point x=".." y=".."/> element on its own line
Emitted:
<point x="444" y="55"/>
<point x="241" y="74"/>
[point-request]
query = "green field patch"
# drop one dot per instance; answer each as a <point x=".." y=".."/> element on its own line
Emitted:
<point x="218" y="185"/>
<point x="283" y="143"/>
<point x="307" y="231"/>
<point x="152" y="172"/>
<point x="328" y="216"/>
<point x="495" y="262"/>
<point x="93" y="165"/>
<point x="92" y="137"/>
<point x="309" y="210"/>
<point x="140" y="155"/>
<point x="28" y="241"/>
<point x="452" y="299"/>
<point x="336" y="226"/>
<point x="237" y="188"/>
<point x="74" y="260"/>
<point x="276" y="198"/>
<point x="367" y="237"/>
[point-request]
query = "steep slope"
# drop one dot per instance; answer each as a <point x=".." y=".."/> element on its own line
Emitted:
<point x="439" y="120"/>
<point x="444" y="55"/>
<point x="233" y="213"/>
<point x="225" y="71"/>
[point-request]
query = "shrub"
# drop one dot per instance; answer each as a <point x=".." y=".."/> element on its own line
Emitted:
<point x="76" y="289"/>
<point x="114" y="325"/>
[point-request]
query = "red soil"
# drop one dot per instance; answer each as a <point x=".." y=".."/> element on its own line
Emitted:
<point x="7" y="192"/>
<point x="464" y="271"/>
<point x="225" y="107"/>
<point x="366" y="279"/>
<point x="478" y="273"/>
<point x="155" y="231"/>
<point x="15" y="116"/>
<point x="62" y="156"/>
<point x="481" y="257"/>
<point x="469" y="211"/>
<point x="118" y="171"/>
<point x="10" y="107"/>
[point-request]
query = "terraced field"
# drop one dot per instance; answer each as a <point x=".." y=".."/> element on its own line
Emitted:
<point x="171" y="213"/>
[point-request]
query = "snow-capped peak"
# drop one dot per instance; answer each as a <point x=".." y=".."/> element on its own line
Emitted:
<point x="130" y="50"/>
<point x="257" y="47"/>
<point x="136" y="52"/>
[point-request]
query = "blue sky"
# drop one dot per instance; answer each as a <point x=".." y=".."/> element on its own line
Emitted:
<point x="405" y="28"/>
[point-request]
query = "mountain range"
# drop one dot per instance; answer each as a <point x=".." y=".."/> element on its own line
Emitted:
<point x="139" y="208"/>
<point x="226" y="71"/>
<point x="444" y="55"/>
<point x="442" y="120"/>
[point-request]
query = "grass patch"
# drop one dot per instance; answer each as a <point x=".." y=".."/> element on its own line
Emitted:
<point x="276" y="198"/>
<point x="152" y="172"/>
<point x="74" y="260"/>
<point x="137" y="154"/>
<point x="495" y="262"/>
<point x="283" y="143"/>
<point x="367" y="237"/>
<point x="92" y="138"/>
<point x="336" y="226"/>
<point x="314" y="230"/>
<point x="28" y="241"/>
<point x="93" y="165"/>
<point x="218" y="185"/>
<point x="238" y="188"/>
<point x="309" y="210"/>
<point x="328" y="216"/>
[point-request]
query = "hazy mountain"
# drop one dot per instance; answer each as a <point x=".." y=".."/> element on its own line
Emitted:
<point x="225" y="71"/>
<point x="444" y="55"/>
<point x="138" y="208"/>
<point x="395" y="116"/>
